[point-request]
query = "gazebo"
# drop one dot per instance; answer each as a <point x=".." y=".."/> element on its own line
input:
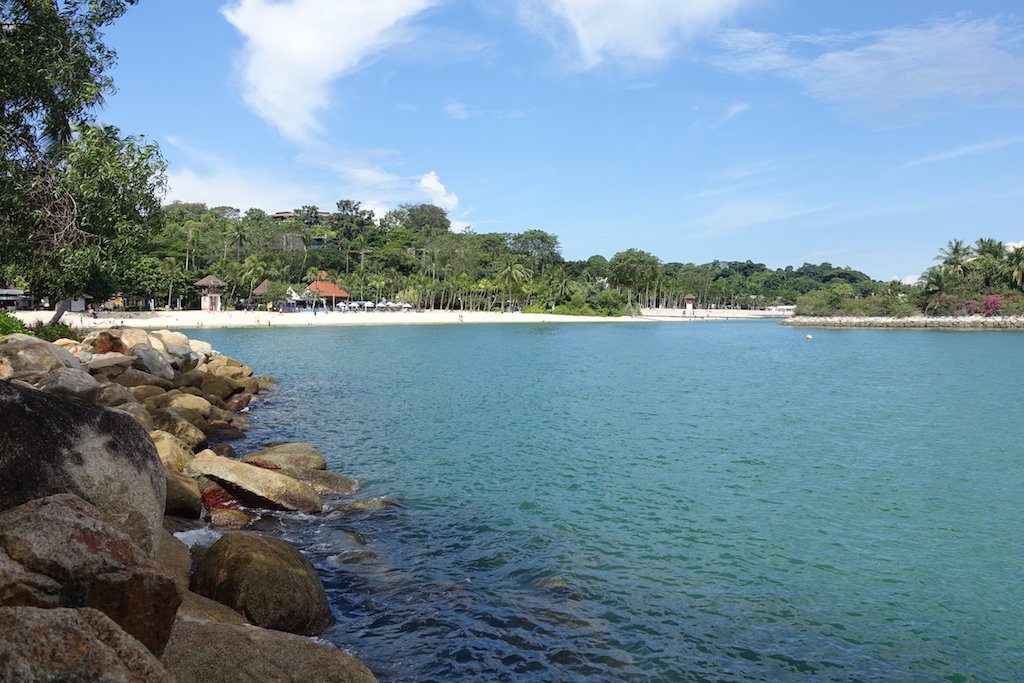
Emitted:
<point x="209" y="292"/>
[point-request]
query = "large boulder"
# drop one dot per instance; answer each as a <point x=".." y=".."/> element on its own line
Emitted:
<point x="73" y="645"/>
<point x="133" y="377"/>
<point x="67" y="545"/>
<point x="112" y="394"/>
<point x="204" y="349"/>
<point x="321" y="481"/>
<point x="6" y="369"/>
<point x="100" y="361"/>
<point x="255" y="486"/>
<point x="177" y="426"/>
<point x="175" y="559"/>
<point x="201" y="607"/>
<point x="50" y="444"/>
<point x="136" y="411"/>
<point x="70" y="382"/>
<point x="104" y="342"/>
<point x="266" y="580"/>
<point x="191" y="378"/>
<point x="183" y="499"/>
<point x="152" y="361"/>
<point x="189" y="401"/>
<point x="211" y="652"/>
<point x="221" y="387"/>
<point x="295" y="454"/>
<point x="26" y="353"/>
<point x="169" y="338"/>
<point x="143" y="392"/>
<point x="173" y="452"/>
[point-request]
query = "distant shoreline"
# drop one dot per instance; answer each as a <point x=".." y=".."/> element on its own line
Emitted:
<point x="913" y="322"/>
<point x="257" y="319"/>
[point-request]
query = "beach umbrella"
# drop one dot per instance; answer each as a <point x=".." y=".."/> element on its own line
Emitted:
<point x="369" y="304"/>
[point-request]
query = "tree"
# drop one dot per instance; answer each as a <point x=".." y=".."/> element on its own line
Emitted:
<point x="512" y="273"/>
<point x="425" y="219"/>
<point x="955" y="256"/>
<point x="76" y="200"/>
<point x="1015" y="266"/>
<point x="538" y="248"/>
<point x="171" y="272"/>
<point x="633" y="270"/>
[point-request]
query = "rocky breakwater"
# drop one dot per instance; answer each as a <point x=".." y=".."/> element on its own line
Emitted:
<point x="965" y="322"/>
<point x="104" y="446"/>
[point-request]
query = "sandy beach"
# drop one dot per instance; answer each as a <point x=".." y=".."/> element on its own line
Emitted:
<point x="225" y="319"/>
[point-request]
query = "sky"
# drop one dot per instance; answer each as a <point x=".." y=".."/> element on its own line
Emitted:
<point x="864" y="133"/>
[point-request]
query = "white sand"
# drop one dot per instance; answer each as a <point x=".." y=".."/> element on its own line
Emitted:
<point x="205" y="319"/>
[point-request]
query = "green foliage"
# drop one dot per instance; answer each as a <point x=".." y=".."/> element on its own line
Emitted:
<point x="52" y="333"/>
<point x="11" y="325"/>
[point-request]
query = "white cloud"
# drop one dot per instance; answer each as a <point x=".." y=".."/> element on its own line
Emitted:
<point x="735" y="110"/>
<point x="737" y="215"/>
<point x="963" y="151"/>
<point x="913" y="71"/>
<point x="295" y="49"/>
<point x="457" y="110"/>
<point x="909" y="279"/>
<point x="612" y="30"/>
<point x="430" y="183"/>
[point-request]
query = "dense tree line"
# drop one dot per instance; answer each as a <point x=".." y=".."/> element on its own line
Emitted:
<point x="411" y="255"/>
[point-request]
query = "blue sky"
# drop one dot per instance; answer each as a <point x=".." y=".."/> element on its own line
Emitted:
<point x="862" y="133"/>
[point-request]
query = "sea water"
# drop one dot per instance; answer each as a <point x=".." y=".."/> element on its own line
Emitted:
<point x="661" y="502"/>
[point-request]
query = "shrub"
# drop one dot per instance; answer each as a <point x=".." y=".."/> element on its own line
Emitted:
<point x="52" y="333"/>
<point x="11" y="325"/>
<point x="993" y="304"/>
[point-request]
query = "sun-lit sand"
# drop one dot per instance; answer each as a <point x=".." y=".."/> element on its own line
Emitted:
<point x="201" y="319"/>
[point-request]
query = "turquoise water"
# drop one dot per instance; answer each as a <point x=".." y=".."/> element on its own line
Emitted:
<point x="662" y="502"/>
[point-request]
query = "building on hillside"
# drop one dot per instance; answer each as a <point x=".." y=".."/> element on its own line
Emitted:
<point x="210" y="292"/>
<point x="285" y="215"/>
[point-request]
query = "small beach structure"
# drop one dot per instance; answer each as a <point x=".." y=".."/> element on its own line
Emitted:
<point x="12" y="299"/>
<point x="210" y="292"/>
<point x="322" y="288"/>
<point x="688" y="301"/>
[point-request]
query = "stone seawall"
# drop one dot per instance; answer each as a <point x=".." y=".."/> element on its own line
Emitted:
<point x="915" y="322"/>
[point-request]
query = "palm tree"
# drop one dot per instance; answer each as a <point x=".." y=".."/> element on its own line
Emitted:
<point x="253" y="271"/>
<point x="956" y="256"/>
<point x="1015" y="266"/>
<point x="378" y="282"/>
<point x="240" y="231"/>
<point x="937" y="281"/>
<point x="512" y="273"/>
<point x="169" y="269"/>
<point x="988" y="246"/>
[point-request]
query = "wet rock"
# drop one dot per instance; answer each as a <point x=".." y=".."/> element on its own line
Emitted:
<point x="152" y="361"/>
<point x="225" y="451"/>
<point x="238" y="402"/>
<point x="220" y="387"/>
<point x="265" y="382"/>
<point x="302" y="455"/>
<point x="26" y="353"/>
<point x="173" y="452"/>
<point x="224" y="431"/>
<point x="168" y="421"/>
<point x="323" y="482"/>
<point x="72" y="645"/>
<point x="50" y="444"/>
<point x="257" y="487"/>
<point x="266" y="580"/>
<point x="215" y="496"/>
<point x="71" y="383"/>
<point x="225" y="518"/>
<point x="183" y="498"/>
<point x="68" y="541"/>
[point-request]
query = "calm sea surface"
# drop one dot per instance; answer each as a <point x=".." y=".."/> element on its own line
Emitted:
<point x="662" y="502"/>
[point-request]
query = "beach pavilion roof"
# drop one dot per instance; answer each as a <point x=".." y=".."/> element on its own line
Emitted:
<point x="261" y="288"/>
<point x="211" y="281"/>
<point x="327" y="289"/>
